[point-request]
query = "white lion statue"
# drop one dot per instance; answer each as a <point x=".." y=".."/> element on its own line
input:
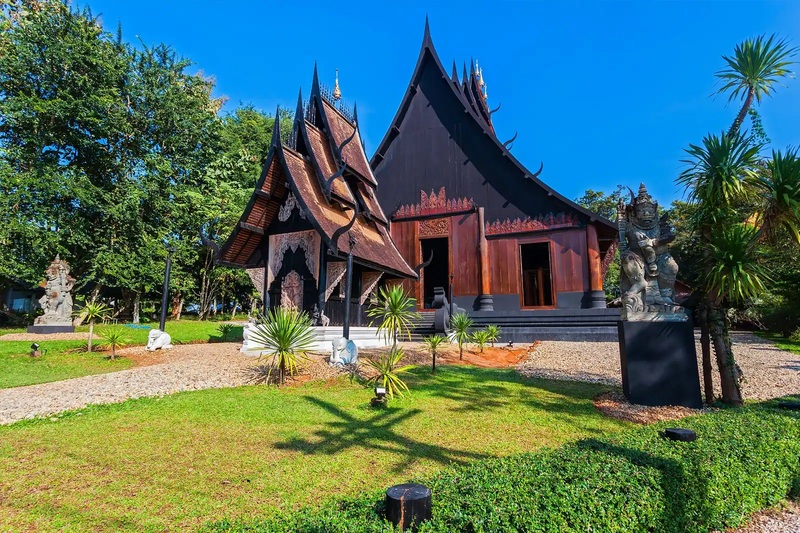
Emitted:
<point x="158" y="339"/>
<point x="345" y="352"/>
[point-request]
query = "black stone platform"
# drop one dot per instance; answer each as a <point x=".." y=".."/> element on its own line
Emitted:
<point x="43" y="329"/>
<point x="659" y="363"/>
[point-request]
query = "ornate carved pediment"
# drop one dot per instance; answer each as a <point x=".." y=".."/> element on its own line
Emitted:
<point x="434" y="204"/>
<point x="335" y="273"/>
<point x="528" y="224"/>
<point x="288" y="206"/>
<point x="369" y="280"/>
<point x="436" y="227"/>
<point x="309" y="241"/>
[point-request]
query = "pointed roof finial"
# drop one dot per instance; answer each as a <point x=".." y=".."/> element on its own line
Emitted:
<point x="337" y="92"/>
<point x="315" y="81"/>
<point x="276" y="127"/>
<point x="427" y="28"/>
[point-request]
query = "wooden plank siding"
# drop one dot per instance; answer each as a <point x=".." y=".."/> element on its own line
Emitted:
<point x="505" y="266"/>
<point x="570" y="261"/>
<point x="464" y="260"/>
<point x="405" y="237"/>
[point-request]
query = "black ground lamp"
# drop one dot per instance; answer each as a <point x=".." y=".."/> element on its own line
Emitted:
<point x="380" y="396"/>
<point x="34" y="349"/>
<point x="165" y="293"/>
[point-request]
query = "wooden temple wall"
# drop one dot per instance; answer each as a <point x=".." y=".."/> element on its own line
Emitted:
<point x="568" y="250"/>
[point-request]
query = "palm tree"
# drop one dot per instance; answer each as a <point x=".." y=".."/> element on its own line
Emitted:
<point x="396" y="313"/>
<point x="755" y="68"/>
<point x="433" y="342"/>
<point x="114" y="337"/>
<point x="91" y="312"/>
<point x="285" y="336"/>
<point x="387" y="372"/>
<point x="739" y="203"/>
<point x="460" y="323"/>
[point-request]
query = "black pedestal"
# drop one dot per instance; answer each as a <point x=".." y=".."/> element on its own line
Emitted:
<point x="659" y="363"/>
<point x="44" y="329"/>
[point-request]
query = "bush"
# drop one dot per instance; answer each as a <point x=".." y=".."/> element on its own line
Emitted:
<point x="744" y="460"/>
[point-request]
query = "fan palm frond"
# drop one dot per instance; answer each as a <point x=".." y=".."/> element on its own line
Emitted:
<point x="734" y="267"/>
<point x="780" y="189"/>
<point x="756" y="66"/>
<point x="284" y="336"/>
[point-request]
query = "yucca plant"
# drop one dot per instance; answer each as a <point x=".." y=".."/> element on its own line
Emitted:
<point x="225" y="330"/>
<point x="284" y="336"/>
<point x="388" y="368"/>
<point x="394" y="313"/>
<point x="114" y="337"/>
<point x="91" y="312"/>
<point x="494" y="333"/>
<point x="481" y="338"/>
<point x="460" y="324"/>
<point x="432" y="342"/>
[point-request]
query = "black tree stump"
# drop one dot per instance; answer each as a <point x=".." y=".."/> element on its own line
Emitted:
<point x="407" y="505"/>
<point x="679" y="434"/>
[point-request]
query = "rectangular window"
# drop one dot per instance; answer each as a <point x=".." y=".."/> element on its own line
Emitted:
<point x="537" y="285"/>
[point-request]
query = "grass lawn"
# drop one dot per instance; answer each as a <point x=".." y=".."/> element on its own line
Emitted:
<point x="179" y="461"/>
<point x="64" y="359"/>
<point x="782" y="342"/>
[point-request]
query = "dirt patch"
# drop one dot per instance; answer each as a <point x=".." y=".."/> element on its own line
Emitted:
<point x="416" y="353"/>
<point x="614" y="405"/>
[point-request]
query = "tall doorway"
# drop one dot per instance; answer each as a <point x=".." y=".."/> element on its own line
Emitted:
<point x="537" y="284"/>
<point x="437" y="274"/>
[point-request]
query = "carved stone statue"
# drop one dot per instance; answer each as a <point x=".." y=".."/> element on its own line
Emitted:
<point x="319" y="317"/>
<point x="57" y="300"/>
<point x="647" y="280"/>
<point x="158" y="339"/>
<point x="345" y="352"/>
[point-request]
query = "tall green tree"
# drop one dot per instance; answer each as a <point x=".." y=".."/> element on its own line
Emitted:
<point x="740" y="202"/>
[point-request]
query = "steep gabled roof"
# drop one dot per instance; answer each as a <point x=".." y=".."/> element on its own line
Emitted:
<point x="302" y="174"/>
<point x="470" y="97"/>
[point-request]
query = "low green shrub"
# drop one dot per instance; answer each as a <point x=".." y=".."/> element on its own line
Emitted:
<point x="744" y="460"/>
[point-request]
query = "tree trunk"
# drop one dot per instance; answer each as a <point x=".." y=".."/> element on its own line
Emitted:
<point x="728" y="374"/>
<point x="705" y="346"/>
<point x="137" y="301"/>
<point x="233" y="311"/>
<point x="177" y="306"/>
<point x="748" y="102"/>
<point x="214" y="306"/>
<point x="91" y="334"/>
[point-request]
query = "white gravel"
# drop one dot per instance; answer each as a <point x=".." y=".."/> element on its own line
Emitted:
<point x="768" y="371"/>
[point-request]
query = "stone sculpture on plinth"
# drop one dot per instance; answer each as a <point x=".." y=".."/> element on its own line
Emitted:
<point x="656" y="338"/>
<point x="57" y="300"/>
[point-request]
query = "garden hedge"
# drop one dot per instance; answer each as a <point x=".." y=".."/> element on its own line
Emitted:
<point x="744" y="460"/>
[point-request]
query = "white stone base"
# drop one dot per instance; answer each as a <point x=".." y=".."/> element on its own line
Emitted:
<point x="363" y="337"/>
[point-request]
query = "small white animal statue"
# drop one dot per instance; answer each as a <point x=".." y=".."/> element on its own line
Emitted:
<point x="345" y="352"/>
<point x="158" y="339"/>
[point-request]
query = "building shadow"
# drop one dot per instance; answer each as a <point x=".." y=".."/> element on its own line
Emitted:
<point x="376" y="432"/>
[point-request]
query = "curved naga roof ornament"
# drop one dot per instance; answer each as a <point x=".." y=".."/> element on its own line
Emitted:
<point x="341" y="231"/>
<point x="536" y="174"/>
<point x="328" y="183"/>
<point x="420" y="266"/>
<point x="495" y="110"/>
<point x="510" y="141"/>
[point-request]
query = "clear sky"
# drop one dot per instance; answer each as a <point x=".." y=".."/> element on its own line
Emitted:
<point x="604" y="93"/>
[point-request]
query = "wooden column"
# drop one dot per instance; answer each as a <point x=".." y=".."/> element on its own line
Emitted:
<point x="595" y="267"/>
<point x="265" y="295"/>
<point x="485" y="300"/>
<point x="322" y="279"/>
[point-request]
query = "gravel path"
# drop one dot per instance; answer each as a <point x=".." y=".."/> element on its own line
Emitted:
<point x="768" y="371"/>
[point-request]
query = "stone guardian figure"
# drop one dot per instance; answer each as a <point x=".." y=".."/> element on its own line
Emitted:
<point x="57" y="300"/>
<point x="647" y="280"/>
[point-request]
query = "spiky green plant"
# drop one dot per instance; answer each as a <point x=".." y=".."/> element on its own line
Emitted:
<point x="481" y="338"/>
<point x="494" y="333"/>
<point x="752" y="72"/>
<point x="394" y="314"/>
<point x="90" y="312"/>
<point x="284" y="336"/>
<point x="388" y="368"/>
<point x="225" y="330"/>
<point x="460" y="324"/>
<point x="114" y="337"/>
<point x="432" y="342"/>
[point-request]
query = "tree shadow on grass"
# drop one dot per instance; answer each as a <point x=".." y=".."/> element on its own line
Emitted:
<point x="377" y="432"/>
<point x="682" y="483"/>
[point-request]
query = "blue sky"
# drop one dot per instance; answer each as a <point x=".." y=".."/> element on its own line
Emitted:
<point x="604" y="93"/>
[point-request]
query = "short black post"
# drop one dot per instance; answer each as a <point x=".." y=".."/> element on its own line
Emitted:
<point x="679" y="434"/>
<point x="165" y="292"/>
<point x="407" y="505"/>
<point x="451" y="296"/>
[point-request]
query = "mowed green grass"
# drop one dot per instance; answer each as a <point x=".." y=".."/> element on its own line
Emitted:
<point x="782" y="342"/>
<point x="177" y="462"/>
<point x="65" y="359"/>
